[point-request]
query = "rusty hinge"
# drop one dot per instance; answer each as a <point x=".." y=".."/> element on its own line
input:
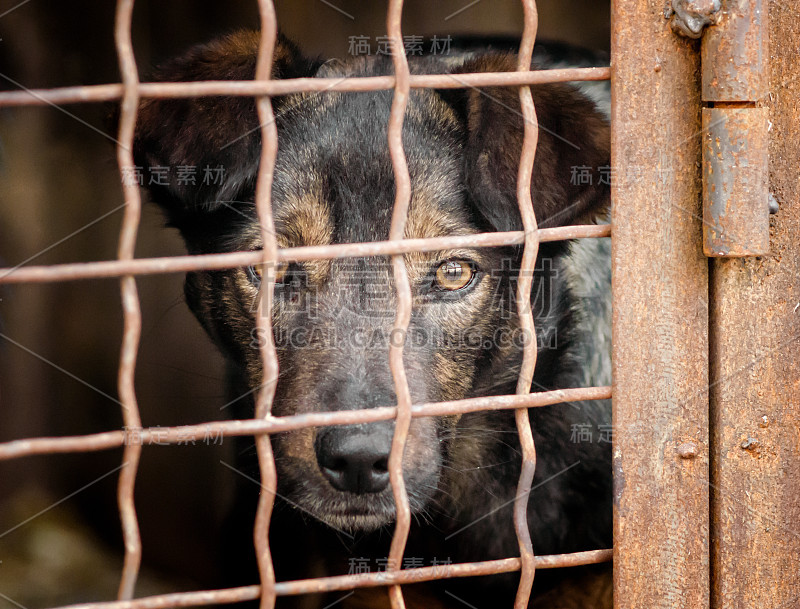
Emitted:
<point x="736" y="200"/>
<point x="690" y="17"/>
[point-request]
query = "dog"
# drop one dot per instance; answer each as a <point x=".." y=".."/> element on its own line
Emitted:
<point x="333" y="183"/>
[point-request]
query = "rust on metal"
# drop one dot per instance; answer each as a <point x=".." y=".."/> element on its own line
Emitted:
<point x="755" y="393"/>
<point x="735" y="192"/>
<point x="175" y="264"/>
<point x="132" y="316"/>
<point x="269" y="356"/>
<point x="660" y="318"/>
<point x="735" y="53"/>
<point x="402" y="201"/>
<point x="158" y="436"/>
<point x="688" y="450"/>
<point x="691" y="17"/>
<point x="523" y="299"/>
<point x="248" y="88"/>
<point x="348" y="582"/>
<point x="736" y="202"/>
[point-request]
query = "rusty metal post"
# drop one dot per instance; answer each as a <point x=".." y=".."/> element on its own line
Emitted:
<point x="755" y="395"/>
<point x="660" y="340"/>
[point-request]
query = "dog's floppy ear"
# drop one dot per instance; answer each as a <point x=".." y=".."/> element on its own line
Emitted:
<point x="196" y="154"/>
<point x="570" y="171"/>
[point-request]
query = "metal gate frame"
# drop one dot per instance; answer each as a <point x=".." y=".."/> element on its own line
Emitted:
<point x="706" y="358"/>
<point x="660" y="332"/>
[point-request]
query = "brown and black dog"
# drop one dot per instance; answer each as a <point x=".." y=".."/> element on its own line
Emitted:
<point x="332" y="318"/>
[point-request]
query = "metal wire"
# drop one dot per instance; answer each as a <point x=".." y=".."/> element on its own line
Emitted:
<point x="402" y="200"/>
<point x="524" y="285"/>
<point x="160" y="436"/>
<point x="175" y="264"/>
<point x="348" y="582"/>
<point x="100" y="93"/>
<point x="132" y="316"/>
<point x="269" y="356"/>
<point x="133" y="437"/>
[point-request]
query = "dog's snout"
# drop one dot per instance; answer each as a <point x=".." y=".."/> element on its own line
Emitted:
<point x="355" y="460"/>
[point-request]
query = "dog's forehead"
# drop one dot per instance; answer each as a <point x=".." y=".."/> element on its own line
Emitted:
<point x="334" y="180"/>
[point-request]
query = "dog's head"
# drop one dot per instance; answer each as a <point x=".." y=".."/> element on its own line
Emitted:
<point x="333" y="183"/>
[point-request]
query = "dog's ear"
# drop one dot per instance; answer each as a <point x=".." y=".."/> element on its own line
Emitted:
<point x="570" y="173"/>
<point x="198" y="154"/>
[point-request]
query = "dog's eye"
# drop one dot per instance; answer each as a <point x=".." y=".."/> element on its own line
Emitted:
<point x="454" y="275"/>
<point x="279" y="271"/>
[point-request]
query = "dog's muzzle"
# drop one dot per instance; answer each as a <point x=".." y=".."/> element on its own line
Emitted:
<point x="355" y="458"/>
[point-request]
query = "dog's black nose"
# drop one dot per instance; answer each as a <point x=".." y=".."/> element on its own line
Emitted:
<point x="355" y="460"/>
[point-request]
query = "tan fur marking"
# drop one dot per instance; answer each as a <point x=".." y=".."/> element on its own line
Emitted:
<point x="307" y="221"/>
<point x="454" y="380"/>
<point x="427" y="220"/>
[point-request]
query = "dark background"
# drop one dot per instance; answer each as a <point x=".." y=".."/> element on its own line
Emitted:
<point x="58" y="178"/>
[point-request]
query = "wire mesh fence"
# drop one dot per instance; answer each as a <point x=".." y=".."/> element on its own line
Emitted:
<point x="133" y="436"/>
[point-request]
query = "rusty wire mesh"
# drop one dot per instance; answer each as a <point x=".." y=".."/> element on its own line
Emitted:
<point x="134" y="436"/>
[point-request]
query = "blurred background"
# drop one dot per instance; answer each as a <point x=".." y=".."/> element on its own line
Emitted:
<point x="60" y="201"/>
